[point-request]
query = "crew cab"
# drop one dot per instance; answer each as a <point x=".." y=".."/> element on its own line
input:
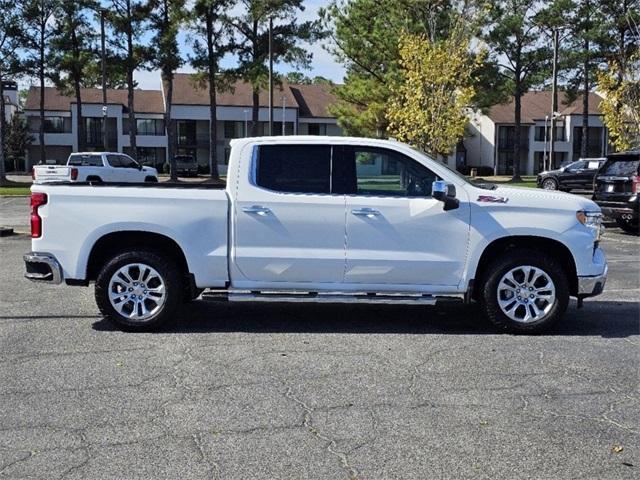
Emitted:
<point x="575" y="175"/>
<point x="320" y="219"/>
<point x="95" y="167"/>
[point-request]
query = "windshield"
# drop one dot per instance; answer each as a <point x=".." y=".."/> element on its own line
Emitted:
<point x="184" y="159"/>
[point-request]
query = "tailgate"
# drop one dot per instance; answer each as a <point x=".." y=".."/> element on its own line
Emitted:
<point x="51" y="173"/>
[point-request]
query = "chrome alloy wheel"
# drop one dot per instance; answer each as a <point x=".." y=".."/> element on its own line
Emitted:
<point x="549" y="184"/>
<point x="526" y="294"/>
<point x="137" y="291"/>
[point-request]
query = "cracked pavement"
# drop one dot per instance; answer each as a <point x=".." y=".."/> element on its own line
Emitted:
<point x="242" y="391"/>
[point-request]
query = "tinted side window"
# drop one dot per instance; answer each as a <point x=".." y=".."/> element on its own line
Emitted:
<point x="294" y="168"/>
<point x="621" y="167"/>
<point x="114" y="161"/>
<point x="85" y="160"/>
<point x="127" y="162"/>
<point x="381" y="172"/>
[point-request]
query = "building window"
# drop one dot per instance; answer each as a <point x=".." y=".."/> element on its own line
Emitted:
<point x="317" y="129"/>
<point x="542" y="130"/>
<point x="277" y="128"/>
<point x="150" y="126"/>
<point x="234" y="129"/>
<point x="93" y="127"/>
<point x="540" y="134"/>
<point x="57" y="125"/>
<point x="148" y="156"/>
<point x="594" y="141"/>
<point x="506" y="137"/>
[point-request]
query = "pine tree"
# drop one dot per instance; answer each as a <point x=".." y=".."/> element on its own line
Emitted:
<point x="210" y="44"/>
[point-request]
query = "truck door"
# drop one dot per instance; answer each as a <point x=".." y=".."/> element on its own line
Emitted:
<point x="289" y="226"/>
<point x="396" y="232"/>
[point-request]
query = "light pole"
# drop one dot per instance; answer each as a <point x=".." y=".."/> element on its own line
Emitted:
<point x="246" y="121"/>
<point x="270" y="75"/>
<point x="544" y="156"/>
<point x="104" y="80"/>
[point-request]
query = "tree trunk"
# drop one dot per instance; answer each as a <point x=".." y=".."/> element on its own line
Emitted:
<point x="255" y="111"/>
<point x="3" y="129"/>
<point x="133" y="125"/>
<point x="41" y="75"/>
<point x="585" y="103"/>
<point x="516" y="136"/>
<point x="170" y="127"/>
<point x="77" y="78"/>
<point x="213" y="117"/>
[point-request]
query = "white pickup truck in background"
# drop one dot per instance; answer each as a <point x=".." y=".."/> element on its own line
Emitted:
<point x="98" y="167"/>
<point x="321" y="219"/>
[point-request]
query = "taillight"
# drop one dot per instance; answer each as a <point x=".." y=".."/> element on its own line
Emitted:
<point x="635" y="184"/>
<point x="37" y="200"/>
<point x="74" y="174"/>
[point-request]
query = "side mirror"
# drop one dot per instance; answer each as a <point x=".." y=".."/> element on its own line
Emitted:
<point x="445" y="192"/>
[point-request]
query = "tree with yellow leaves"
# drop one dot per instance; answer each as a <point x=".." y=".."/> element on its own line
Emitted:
<point x="434" y="89"/>
<point x="621" y="103"/>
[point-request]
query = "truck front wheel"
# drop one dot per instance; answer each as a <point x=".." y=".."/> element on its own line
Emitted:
<point x="525" y="291"/>
<point x="139" y="290"/>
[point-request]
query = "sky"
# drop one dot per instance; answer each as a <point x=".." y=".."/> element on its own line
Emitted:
<point x="322" y="64"/>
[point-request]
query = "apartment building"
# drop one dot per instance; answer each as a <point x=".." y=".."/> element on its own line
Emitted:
<point x="491" y="134"/>
<point x="301" y="109"/>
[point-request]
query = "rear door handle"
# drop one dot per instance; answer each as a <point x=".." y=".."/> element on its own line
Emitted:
<point x="366" y="212"/>
<point x="257" y="210"/>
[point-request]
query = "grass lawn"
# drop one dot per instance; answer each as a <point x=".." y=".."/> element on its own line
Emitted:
<point x="14" y="188"/>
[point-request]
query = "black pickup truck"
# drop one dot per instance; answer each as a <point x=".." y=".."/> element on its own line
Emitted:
<point x="616" y="189"/>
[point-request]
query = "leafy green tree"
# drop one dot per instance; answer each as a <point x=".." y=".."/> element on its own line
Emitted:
<point x="166" y="18"/>
<point x="210" y="43"/>
<point x="127" y="21"/>
<point x="37" y="62"/>
<point x="10" y="41"/>
<point x="73" y="51"/>
<point x="365" y="38"/>
<point x="252" y="42"/>
<point x="514" y="39"/>
<point x="18" y="140"/>
<point x="429" y="103"/>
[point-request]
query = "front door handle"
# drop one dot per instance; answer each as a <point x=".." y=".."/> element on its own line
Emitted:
<point x="257" y="210"/>
<point x="366" y="212"/>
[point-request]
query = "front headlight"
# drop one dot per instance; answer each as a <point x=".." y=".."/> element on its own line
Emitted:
<point x="592" y="220"/>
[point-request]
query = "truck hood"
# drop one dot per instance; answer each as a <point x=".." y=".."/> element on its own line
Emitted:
<point x="533" y="198"/>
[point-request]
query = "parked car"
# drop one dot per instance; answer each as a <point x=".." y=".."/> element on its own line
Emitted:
<point x="575" y="175"/>
<point x="96" y="167"/>
<point x="616" y="189"/>
<point x="186" y="165"/>
<point x="320" y="219"/>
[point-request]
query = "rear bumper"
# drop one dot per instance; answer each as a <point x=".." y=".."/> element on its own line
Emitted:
<point x="42" y="267"/>
<point x="592" y="285"/>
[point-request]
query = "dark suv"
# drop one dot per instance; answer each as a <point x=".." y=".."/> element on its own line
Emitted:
<point x="575" y="175"/>
<point x="616" y="188"/>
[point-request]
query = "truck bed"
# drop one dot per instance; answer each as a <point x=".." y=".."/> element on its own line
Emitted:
<point x="194" y="216"/>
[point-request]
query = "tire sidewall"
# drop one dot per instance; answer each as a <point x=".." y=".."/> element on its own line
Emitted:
<point x="510" y="260"/>
<point x="166" y="268"/>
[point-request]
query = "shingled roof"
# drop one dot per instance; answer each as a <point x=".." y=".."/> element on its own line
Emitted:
<point x="145" y="101"/>
<point x="535" y="105"/>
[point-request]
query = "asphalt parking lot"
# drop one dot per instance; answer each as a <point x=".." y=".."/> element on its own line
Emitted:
<point x="306" y="392"/>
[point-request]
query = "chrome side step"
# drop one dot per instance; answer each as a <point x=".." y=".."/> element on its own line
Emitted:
<point x="313" y="297"/>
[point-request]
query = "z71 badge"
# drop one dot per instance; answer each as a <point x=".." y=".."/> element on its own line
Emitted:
<point x="492" y="199"/>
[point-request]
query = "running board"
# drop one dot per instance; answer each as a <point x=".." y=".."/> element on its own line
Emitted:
<point x="312" y="297"/>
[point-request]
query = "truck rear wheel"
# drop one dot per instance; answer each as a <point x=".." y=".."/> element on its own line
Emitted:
<point x="525" y="291"/>
<point x="629" y="226"/>
<point x="139" y="290"/>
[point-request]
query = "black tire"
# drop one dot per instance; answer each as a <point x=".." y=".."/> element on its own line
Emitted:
<point x="505" y="263"/>
<point x="94" y="179"/>
<point x="549" y="184"/>
<point x="170" y="275"/>
<point x="629" y="226"/>
<point x="151" y="179"/>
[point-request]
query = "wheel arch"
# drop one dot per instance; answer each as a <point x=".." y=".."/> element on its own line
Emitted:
<point x="549" y="246"/>
<point x="114" y="242"/>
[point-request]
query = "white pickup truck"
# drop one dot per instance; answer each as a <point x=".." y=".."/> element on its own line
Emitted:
<point x="97" y="167"/>
<point x="320" y="219"/>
